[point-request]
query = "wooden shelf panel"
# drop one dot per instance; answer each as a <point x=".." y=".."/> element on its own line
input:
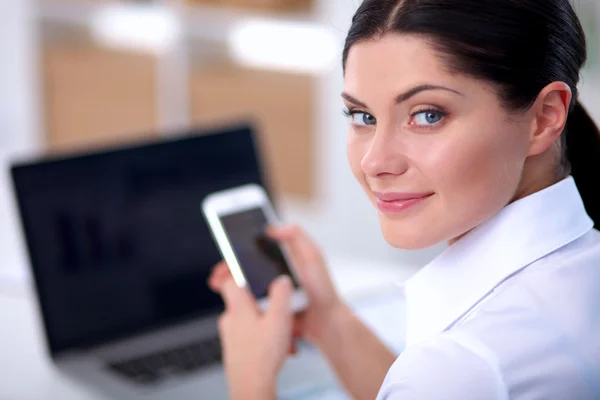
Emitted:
<point x="95" y="97"/>
<point x="280" y="103"/>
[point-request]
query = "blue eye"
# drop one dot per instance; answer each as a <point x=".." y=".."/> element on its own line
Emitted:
<point x="360" y="118"/>
<point x="363" y="119"/>
<point x="427" y="117"/>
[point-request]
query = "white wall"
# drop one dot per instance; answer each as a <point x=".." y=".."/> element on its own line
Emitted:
<point x="19" y="124"/>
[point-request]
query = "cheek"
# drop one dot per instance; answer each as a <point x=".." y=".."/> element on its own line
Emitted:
<point x="474" y="171"/>
<point x="356" y="148"/>
<point x="485" y="162"/>
<point x="476" y="176"/>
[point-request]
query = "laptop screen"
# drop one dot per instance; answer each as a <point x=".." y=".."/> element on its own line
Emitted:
<point x="117" y="240"/>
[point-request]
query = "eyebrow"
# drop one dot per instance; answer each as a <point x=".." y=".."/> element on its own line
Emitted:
<point x="402" y="97"/>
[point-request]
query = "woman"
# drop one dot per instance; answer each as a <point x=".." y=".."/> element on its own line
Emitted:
<point x="464" y="127"/>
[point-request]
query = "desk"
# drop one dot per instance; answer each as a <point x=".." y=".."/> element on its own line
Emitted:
<point x="26" y="372"/>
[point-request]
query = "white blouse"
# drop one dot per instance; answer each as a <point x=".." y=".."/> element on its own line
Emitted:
<point x="510" y="311"/>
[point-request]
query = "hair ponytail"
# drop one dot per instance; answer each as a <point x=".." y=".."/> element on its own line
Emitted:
<point x="583" y="154"/>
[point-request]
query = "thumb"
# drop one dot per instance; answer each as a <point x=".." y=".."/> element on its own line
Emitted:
<point x="280" y="296"/>
<point x="237" y="299"/>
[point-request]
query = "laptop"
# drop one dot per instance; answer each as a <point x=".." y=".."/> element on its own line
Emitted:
<point x="121" y="253"/>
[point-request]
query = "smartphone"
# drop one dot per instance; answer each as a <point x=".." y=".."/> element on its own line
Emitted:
<point x="238" y="219"/>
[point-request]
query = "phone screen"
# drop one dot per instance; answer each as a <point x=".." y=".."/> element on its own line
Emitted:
<point x="259" y="256"/>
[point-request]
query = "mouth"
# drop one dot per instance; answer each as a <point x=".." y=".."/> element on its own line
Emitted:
<point x="397" y="203"/>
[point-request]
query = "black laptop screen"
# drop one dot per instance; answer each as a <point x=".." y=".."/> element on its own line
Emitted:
<point x="117" y="240"/>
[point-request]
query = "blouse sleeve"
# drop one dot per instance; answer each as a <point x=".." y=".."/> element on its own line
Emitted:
<point x="446" y="368"/>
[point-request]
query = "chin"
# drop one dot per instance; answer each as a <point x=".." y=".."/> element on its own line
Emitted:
<point x="408" y="238"/>
<point x="410" y="243"/>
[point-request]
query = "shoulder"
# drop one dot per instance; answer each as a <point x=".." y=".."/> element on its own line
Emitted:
<point x="450" y="366"/>
<point x="552" y="290"/>
<point x="549" y="291"/>
<point x="579" y="253"/>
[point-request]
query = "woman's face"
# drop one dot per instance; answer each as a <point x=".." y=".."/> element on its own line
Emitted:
<point x="436" y="152"/>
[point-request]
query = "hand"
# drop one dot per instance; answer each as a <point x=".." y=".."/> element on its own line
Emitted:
<point x="324" y="302"/>
<point x="255" y="344"/>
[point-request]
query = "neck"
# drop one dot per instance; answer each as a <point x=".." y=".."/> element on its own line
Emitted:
<point x="530" y="183"/>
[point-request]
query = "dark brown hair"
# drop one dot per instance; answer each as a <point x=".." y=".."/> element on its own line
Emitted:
<point x="520" y="46"/>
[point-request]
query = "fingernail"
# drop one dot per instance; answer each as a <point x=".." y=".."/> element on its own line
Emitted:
<point x="285" y="280"/>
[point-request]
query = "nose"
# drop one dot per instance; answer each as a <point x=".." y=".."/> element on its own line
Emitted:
<point x="384" y="155"/>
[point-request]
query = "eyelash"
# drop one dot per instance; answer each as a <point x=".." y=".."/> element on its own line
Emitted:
<point x="350" y="112"/>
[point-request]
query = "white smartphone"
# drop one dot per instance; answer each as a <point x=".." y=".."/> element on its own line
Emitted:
<point x="238" y="218"/>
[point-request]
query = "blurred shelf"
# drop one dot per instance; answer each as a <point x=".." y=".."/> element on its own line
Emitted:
<point x="198" y="21"/>
<point x="214" y="22"/>
<point x="99" y="90"/>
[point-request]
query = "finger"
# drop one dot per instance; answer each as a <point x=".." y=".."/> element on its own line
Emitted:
<point x="306" y="252"/>
<point x="305" y="255"/>
<point x="293" y="349"/>
<point x="285" y="235"/>
<point x="221" y="265"/>
<point x="238" y="300"/>
<point x="214" y="277"/>
<point x="282" y="233"/>
<point x="280" y="296"/>
<point x="218" y="276"/>
<point x="297" y="328"/>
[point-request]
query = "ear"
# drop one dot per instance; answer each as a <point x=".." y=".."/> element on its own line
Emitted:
<point x="550" y="110"/>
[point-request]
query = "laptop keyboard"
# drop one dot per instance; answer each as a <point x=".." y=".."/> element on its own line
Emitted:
<point x="152" y="368"/>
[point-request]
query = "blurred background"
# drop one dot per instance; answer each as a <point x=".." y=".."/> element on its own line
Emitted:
<point x="85" y="74"/>
<point x="79" y="75"/>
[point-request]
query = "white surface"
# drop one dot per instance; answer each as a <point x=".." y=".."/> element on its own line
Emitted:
<point x="287" y="46"/>
<point x="148" y="28"/>
<point x="18" y="116"/>
<point x="27" y="374"/>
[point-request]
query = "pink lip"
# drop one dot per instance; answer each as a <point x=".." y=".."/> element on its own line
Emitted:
<point x="395" y="203"/>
